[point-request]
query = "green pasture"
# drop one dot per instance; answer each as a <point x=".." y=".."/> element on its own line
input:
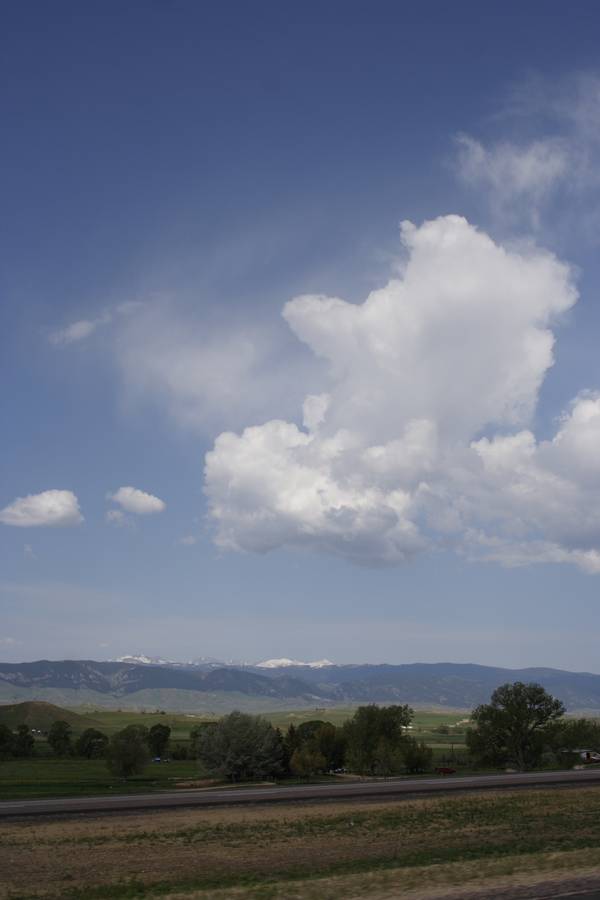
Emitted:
<point x="24" y="779"/>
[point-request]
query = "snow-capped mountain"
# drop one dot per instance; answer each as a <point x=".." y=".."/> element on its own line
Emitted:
<point x="141" y="659"/>
<point x="284" y="663"/>
<point x="208" y="662"/>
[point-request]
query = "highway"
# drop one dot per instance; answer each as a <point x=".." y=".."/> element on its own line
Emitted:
<point x="384" y="790"/>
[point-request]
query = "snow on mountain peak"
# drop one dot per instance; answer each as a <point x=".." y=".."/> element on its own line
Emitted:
<point x="143" y="660"/>
<point x="284" y="662"/>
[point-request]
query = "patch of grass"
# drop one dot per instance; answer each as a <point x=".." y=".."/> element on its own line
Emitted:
<point x="26" y="779"/>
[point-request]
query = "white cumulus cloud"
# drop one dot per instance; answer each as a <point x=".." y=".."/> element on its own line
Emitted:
<point x="132" y="500"/>
<point x="422" y="437"/>
<point x="60" y="508"/>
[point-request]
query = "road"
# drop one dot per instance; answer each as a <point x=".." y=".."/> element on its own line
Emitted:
<point x="391" y="788"/>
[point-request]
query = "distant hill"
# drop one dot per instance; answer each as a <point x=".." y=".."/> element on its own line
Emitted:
<point x="38" y="714"/>
<point x="219" y="689"/>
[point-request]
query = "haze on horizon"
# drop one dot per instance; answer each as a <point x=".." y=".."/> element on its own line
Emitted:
<point x="300" y="319"/>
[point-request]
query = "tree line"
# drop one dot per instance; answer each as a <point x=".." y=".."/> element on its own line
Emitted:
<point x="522" y="726"/>
<point x="133" y="742"/>
<point x="374" y="741"/>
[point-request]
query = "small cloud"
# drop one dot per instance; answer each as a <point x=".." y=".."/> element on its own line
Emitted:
<point x="129" y="307"/>
<point x="28" y="552"/>
<point x="78" y="331"/>
<point x="83" y="328"/>
<point x="50" y="508"/>
<point x="189" y="540"/>
<point x="117" y="518"/>
<point x="8" y="642"/>
<point x="140" y="503"/>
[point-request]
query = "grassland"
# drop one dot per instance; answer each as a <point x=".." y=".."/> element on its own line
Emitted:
<point x="305" y="850"/>
<point x="26" y="779"/>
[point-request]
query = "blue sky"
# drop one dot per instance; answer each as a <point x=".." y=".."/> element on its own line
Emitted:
<point x="174" y="178"/>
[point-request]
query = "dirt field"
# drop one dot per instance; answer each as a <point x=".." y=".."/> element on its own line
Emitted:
<point x="419" y="847"/>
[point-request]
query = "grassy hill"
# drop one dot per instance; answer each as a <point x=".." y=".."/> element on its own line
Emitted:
<point x="37" y="714"/>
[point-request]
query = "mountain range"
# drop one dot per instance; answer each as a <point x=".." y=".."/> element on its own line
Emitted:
<point x="211" y="686"/>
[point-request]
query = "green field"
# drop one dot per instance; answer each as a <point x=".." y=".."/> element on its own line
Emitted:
<point x="23" y="779"/>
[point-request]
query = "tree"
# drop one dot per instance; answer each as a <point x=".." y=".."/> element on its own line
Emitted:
<point x="7" y="742"/>
<point x="24" y="742"/>
<point x="241" y="747"/>
<point x="196" y="738"/>
<point x="370" y="729"/>
<point x="307" y="761"/>
<point x="292" y="740"/>
<point x="158" y="739"/>
<point x="331" y="743"/>
<point x="566" y="736"/>
<point x="417" y="756"/>
<point x="514" y="726"/>
<point x="91" y="744"/>
<point x="306" y="731"/>
<point x="59" y="738"/>
<point x="127" y="753"/>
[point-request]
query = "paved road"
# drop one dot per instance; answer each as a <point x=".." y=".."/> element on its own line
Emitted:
<point x="341" y="791"/>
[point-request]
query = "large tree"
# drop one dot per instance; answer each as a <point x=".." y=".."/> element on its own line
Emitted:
<point x="59" y="738"/>
<point x="91" y="744"/>
<point x="241" y="747"/>
<point x="307" y="761"/>
<point x="374" y="738"/>
<point x="24" y="742"/>
<point x="158" y="739"/>
<point x="127" y="753"/>
<point x="513" y="727"/>
<point x="7" y="741"/>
